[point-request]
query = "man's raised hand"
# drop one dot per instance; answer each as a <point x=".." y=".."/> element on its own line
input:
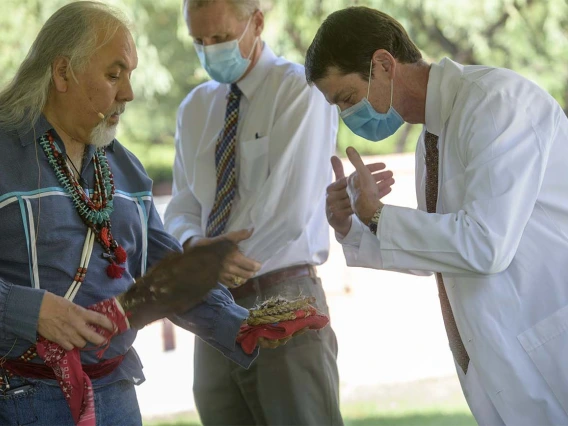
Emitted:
<point x="366" y="186"/>
<point x="337" y="205"/>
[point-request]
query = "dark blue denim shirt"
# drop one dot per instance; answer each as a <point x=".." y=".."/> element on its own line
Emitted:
<point x="41" y="241"/>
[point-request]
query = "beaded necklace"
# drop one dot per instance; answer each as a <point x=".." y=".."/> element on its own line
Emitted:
<point x="94" y="210"/>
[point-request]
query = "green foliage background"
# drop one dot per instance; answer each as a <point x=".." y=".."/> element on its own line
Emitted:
<point x="529" y="36"/>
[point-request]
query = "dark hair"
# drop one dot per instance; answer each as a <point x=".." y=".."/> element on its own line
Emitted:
<point x="348" y="38"/>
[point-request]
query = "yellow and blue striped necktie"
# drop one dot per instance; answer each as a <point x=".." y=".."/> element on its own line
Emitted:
<point x="225" y="156"/>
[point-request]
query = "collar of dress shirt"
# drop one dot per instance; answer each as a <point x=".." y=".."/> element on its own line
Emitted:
<point x="27" y="135"/>
<point x="443" y="83"/>
<point x="257" y="75"/>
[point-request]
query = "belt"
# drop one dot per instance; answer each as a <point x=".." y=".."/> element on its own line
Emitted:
<point x="33" y="370"/>
<point x="272" y="278"/>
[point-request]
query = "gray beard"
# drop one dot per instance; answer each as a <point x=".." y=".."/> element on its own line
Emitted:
<point x="103" y="134"/>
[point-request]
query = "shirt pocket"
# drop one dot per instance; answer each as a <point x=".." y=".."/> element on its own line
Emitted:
<point x="546" y="343"/>
<point x="254" y="168"/>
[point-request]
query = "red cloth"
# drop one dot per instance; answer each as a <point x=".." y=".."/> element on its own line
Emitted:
<point x="249" y="335"/>
<point x="73" y="381"/>
<point x="34" y="370"/>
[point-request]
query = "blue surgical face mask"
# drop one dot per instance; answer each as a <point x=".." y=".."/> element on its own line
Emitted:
<point x="223" y="61"/>
<point x="364" y="121"/>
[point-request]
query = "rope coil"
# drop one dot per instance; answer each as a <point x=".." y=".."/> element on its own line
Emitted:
<point x="278" y="309"/>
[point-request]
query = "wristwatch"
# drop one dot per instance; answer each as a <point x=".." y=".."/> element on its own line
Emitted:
<point x="374" y="223"/>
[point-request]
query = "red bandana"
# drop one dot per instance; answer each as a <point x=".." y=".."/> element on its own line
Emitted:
<point x="66" y="365"/>
<point x="249" y="335"/>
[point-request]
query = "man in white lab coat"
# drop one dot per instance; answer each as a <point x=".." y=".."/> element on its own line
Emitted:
<point x="492" y="217"/>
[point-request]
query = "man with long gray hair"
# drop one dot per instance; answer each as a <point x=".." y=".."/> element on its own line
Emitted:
<point x="252" y="151"/>
<point x="65" y="181"/>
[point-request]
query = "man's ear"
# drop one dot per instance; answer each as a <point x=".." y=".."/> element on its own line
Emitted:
<point x="60" y="73"/>
<point x="258" y="21"/>
<point x="384" y="62"/>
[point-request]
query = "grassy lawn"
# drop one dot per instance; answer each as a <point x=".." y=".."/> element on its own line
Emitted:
<point x="431" y="402"/>
<point x="371" y="417"/>
<point x="414" y="419"/>
<point x="434" y="416"/>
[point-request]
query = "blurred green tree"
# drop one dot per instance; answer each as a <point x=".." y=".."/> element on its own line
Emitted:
<point x="528" y="36"/>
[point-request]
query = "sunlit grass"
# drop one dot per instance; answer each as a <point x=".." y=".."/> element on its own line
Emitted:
<point x="368" y="417"/>
<point x="428" y="402"/>
<point x="367" y="414"/>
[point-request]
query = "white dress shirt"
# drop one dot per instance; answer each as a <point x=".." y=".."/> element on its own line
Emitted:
<point x="285" y="138"/>
<point x="499" y="237"/>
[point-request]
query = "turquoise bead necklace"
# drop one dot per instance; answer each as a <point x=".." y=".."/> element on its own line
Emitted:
<point x="95" y="209"/>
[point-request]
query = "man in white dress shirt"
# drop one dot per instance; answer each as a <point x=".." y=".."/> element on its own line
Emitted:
<point x="492" y="217"/>
<point x="252" y="164"/>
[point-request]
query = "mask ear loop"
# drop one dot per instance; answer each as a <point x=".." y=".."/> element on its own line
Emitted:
<point x="243" y="34"/>
<point x="246" y="29"/>
<point x="253" y="46"/>
<point x="369" y="84"/>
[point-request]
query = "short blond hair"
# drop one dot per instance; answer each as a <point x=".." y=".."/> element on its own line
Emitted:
<point x="242" y="8"/>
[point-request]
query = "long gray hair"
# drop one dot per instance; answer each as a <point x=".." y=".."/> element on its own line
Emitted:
<point x="75" y="31"/>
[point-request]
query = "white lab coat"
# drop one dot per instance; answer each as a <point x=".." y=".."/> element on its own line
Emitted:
<point x="500" y="238"/>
